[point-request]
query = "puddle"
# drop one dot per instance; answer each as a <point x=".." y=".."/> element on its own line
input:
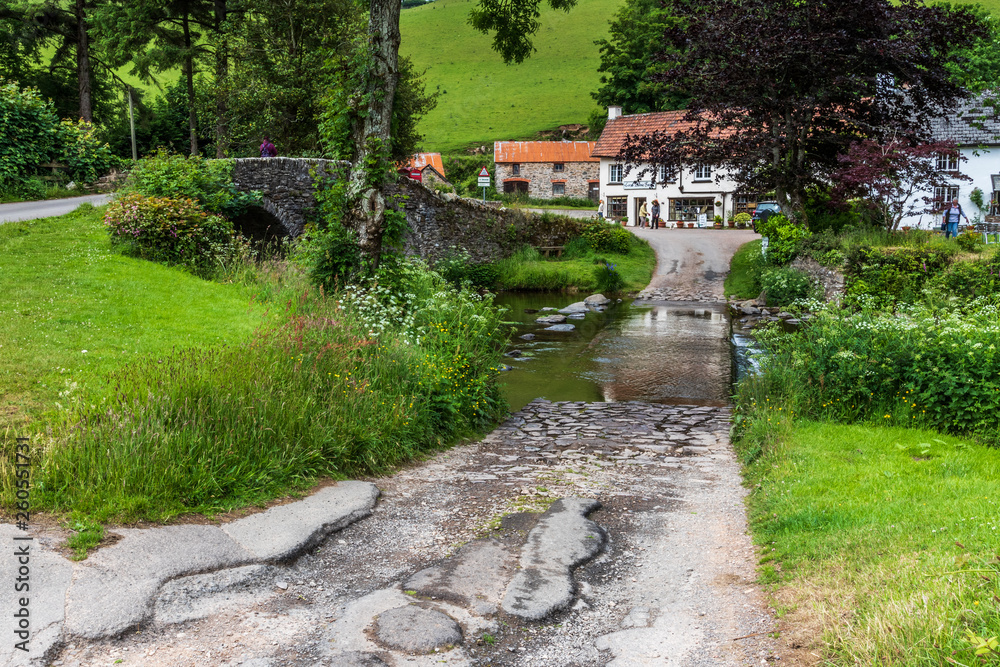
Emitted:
<point x="675" y="354"/>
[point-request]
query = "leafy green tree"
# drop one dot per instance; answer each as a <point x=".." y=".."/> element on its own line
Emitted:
<point x="633" y="56"/>
<point x="156" y="37"/>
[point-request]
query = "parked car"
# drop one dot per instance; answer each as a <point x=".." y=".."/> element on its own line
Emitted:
<point x="764" y="210"/>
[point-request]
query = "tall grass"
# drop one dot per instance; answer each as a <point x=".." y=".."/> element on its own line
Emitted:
<point x="334" y="386"/>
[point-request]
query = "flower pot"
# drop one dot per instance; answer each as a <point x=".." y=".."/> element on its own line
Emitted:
<point x="732" y="224"/>
<point x="717" y="225"/>
<point x="690" y="225"/>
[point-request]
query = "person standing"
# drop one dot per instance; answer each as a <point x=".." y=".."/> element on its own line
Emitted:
<point x="600" y="210"/>
<point x="643" y="214"/>
<point x="951" y="217"/>
<point x="267" y="149"/>
<point x="655" y="214"/>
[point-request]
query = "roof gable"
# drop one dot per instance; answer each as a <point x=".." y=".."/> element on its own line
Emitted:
<point x="421" y="160"/>
<point x="971" y="123"/>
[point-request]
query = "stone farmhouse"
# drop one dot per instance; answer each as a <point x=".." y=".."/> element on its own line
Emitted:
<point x="547" y="169"/>
<point x="975" y="129"/>
<point x="427" y="168"/>
<point x="685" y="194"/>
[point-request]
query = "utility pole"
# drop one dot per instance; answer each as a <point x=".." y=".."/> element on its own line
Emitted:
<point x="131" y="121"/>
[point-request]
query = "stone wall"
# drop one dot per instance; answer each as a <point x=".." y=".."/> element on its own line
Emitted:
<point x="541" y="174"/>
<point x="286" y="185"/>
<point x="439" y="223"/>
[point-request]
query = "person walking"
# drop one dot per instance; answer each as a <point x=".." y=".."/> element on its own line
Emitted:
<point x="951" y="216"/>
<point x="643" y="214"/>
<point x="655" y="214"/>
<point x="600" y="210"/>
<point x="267" y="149"/>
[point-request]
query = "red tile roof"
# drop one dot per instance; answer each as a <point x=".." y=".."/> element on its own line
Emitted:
<point x="614" y="134"/>
<point x="421" y="160"/>
<point x="543" y="151"/>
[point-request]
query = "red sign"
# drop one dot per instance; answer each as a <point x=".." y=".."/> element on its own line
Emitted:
<point x="416" y="174"/>
<point x="484" y="173"/>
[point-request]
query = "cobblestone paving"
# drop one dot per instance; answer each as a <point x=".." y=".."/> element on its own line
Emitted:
<point x="700" y="292"/>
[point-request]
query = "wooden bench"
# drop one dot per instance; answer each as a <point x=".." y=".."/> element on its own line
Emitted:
<point x="57" y="172"/>
<point x="548" y="250"/>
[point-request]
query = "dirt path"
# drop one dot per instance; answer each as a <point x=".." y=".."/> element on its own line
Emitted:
<point x="458" y="543"/>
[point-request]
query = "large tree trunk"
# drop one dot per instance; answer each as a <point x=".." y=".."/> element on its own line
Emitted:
<point x="83" y="62"/>
<point x="372" y="131"/>
<point x="189" y="76"/>
<point x="221" y="72"/>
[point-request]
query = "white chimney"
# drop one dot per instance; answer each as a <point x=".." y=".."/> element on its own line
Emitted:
<point x="614" y="112"/>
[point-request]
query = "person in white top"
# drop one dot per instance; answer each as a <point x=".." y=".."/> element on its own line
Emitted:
<point x="951" y="217"/>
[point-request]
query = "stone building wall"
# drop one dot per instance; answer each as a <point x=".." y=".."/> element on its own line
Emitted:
<point x="540" y="176"/>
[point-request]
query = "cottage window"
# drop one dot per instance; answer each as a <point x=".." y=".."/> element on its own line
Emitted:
<point x="558" y="189"/>
<point x="703" y="172"/>
<point x="558" y="166"/>
<point x="615" y="174"/>
<point x="515" y="169"/>
<point x="663" y="175"/>
<point x="687" y="210"/>
<point x="617" y="207"/>
<point x="947" y="162"/>
<point x="943" y="196"/>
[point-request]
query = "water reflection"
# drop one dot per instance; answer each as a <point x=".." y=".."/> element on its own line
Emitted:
<point x="663" y="354"/>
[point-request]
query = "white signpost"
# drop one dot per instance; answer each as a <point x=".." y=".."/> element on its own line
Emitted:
<point x="484" y="181"/>
<point x="702" y="219"/>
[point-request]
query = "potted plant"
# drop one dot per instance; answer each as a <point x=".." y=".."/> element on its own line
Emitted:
<point x="625" y="221"/>
<point x="718" y="222"/>
<point x="691" y="225"/>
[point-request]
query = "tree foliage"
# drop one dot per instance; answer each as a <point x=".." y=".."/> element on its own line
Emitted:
<point x="632" y="57"/>
<point x="889" y="177"/>
<point x="513" y="23"/>
<point x="780" y="88"/>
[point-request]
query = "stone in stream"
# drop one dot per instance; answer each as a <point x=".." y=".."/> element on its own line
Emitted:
<point x="578" y="307"/>
<point x="560" y="327"/>
<point x="530" y="311"/>
<point x="551" y="319"/>
<point x="416" y="629"/>
<point x="547" y="309"/>
<point x="527" y="336"/>
<point x="597" y="300"/>
<point x="513" y="353"/>
<point x="577" y="316"/>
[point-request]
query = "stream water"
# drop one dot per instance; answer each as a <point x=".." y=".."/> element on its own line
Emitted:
<point x="676" y="354"/>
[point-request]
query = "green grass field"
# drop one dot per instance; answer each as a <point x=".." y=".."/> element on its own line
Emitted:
<point x="882" y="543"/>
<point x="484" y="100"/>
<point x="73" y="309"/>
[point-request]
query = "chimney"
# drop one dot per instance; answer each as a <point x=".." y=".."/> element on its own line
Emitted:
<point x="614" y="112"/>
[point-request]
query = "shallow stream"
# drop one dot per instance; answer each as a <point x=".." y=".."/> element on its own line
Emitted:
<point x="663" y="353"/>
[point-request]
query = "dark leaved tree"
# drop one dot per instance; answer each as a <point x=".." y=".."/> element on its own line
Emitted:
<point x="780" y="88"/>
<point x="889" y="178"/>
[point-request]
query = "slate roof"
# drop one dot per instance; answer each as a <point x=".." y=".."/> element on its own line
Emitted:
<point x="971" y="124"/>
<point x="614" y="134"/>
<point x="543" y="151"/>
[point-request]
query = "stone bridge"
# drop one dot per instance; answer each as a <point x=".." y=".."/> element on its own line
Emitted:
<point x="438" y="222"/>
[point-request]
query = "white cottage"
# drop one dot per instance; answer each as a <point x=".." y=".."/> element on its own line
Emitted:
<point x="975" y="129"/>
<point x="683" y="195"/>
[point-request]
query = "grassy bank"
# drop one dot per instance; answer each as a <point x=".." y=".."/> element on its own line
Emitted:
<point x="881" y="543"/>
<point x="149" y="393"/>
<point x="742" y="279"/>
<point x="579" y="267"/>
<point x="73" y="310"/>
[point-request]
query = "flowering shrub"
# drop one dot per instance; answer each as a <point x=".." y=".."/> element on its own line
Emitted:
<point x="784" y="285"/>
<point x="925" y="367"/>
<point x="892" y="276"/>
<point x="175" y="231"/>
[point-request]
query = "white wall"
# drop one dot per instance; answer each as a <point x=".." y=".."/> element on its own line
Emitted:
<point x="980" y="165"/>
<point x="685" y="187"/>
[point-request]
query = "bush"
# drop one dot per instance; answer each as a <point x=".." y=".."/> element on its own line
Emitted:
<point x="31" y="135"/>
<point x="604" y="237"/>
<point x="608" y="279"/>
<point x="784" y="238"/>
<point x="742" y="218"/>
<point x="208" y="182"/>
<point x="925" y="368"/>
<point x="969" y="241"/>
<point x="173" y="231"/>
<point x="824" y="216"/>
<point x="458" y="269"/>
<point x="887" y="277"/>
<point x="785" y="285"/>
